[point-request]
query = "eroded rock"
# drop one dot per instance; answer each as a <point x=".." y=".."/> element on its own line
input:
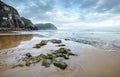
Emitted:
<point x="48" y="59"/>
<point x="42" y="43"/>
<point x="61" y="65"/>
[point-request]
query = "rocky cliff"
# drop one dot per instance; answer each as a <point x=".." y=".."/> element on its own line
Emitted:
<point x="10" y="18"/>
<point x="46" y="26"/>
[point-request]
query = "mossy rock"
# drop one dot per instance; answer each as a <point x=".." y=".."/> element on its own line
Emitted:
<point x="56" y="41"/>
<point x="28" y="55"/>
<point x="47" y="60"/>
<point x="66" y="56"/>
<point x="61" y="45"/>
<point x="42" y="43"/>
<point x="61" y="65"/>
<point x="36" y="59"/>
<point x="46" y="63"/>
<point x="27" y="63"/>
<point x="63" y="50"/>
<point x="43" y="56"/>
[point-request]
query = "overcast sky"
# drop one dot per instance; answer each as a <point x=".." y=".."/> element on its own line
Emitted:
<point x="70" y="13"/>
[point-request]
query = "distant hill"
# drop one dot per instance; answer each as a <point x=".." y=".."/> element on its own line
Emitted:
<point x="10" y="19"/>
<point x="46" y="26"/>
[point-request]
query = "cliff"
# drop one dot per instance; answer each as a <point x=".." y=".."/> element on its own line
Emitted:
<point x="10" y="19"/>
<point x="46" y="26"/>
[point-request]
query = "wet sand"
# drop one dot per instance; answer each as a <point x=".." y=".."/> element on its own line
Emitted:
<point x="9" y="33"/>
<point x="90" y="62"/>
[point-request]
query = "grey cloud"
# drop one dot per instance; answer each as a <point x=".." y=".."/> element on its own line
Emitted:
<point x="107" y="5"/>
<point x="78" y="3"/>
<point x="93" y="5"/>
<point x="88" y="3"/>
<point x="15" y="2"/>
<point x="34" y="9"/>
<point x="37" y="9"/>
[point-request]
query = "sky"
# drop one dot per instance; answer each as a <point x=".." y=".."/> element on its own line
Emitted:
<point x="70" y="13"/>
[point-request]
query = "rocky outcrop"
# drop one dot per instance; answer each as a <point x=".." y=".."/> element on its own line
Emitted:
<point x="28" y="24"/>
<point x="48" y="59"/>
<point x="10" y="18"/>
<point x="46" y="26"/>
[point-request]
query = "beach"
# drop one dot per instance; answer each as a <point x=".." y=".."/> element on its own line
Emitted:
<point x="89" y="62"/>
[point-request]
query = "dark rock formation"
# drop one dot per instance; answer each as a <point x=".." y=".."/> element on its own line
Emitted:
<point x="44" y="42"/>
<point x="46" y="26"/>
<point x="48" y="59"/>
<point x="28" y="24"/>
<point x="10" y="18"/>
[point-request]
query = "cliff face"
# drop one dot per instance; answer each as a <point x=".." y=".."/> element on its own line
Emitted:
<point x="10" y="18"/>
<point x="46" y="26"/>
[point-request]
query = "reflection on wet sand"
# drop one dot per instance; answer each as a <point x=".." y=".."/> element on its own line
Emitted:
<point x="9" y="41"/>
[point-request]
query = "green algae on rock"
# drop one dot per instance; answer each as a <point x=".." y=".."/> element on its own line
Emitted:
<point x="42" y="43"/>
<point x="61" y="65"/>
<point x="48" y="59"/>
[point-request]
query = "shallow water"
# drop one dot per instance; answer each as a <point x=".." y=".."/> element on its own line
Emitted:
<point x="10" y="41"/>
<point x="103" y="40"/>
<point x="90" y="62"/>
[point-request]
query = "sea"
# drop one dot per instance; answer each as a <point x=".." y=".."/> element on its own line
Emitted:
<point x="107" y="40"/>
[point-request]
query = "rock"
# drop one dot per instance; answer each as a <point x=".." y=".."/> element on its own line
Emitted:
<point x="61" y="65"/>
<point x="67" y="39"/>
<point x="42" y="43"/>
<point x="65" y="53"/>
<point x="37" y="46"/>
<point x="47" y="60"/>
<point x="45" y="63"/>
<point x="56" y="41"/>
<point x="43" y="56"/>
<point x="20" y="65"/>
<point x="36" y="59"/>
<point x="31" y="60"/>
<point x="50" y="56"/>
<point x="11" y="20"/>
<point x="28" y="63"/>
<point x="28" y="55"/>
<point x="72" y="54"/>
<point x="61" y="45"/>
<point x="66" y="56"/>
<point x="63" y="50"/>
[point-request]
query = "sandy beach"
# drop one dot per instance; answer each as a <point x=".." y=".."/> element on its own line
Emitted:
<point x="89" y="62"/>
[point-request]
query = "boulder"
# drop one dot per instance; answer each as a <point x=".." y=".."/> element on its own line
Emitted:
<point x="61" y="65"/>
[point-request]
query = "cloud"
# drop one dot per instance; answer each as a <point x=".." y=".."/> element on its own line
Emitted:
<point x="34" y="9"/>
<point x="108" y="5"/>
<point x="94" y="13"/>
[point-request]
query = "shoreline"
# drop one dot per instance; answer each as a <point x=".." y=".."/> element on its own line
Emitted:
<point x="90" y="62"/>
